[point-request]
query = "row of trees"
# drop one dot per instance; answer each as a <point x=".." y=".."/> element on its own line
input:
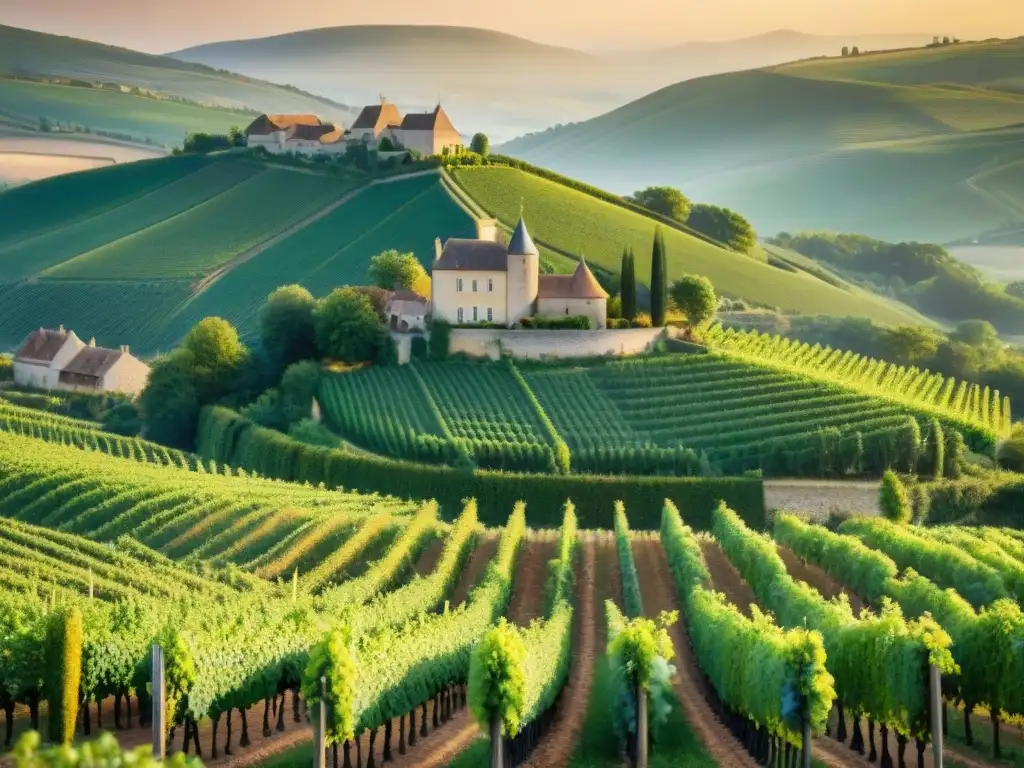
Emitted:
<point x="692" y="295"/>
<point x="721" y="224"/>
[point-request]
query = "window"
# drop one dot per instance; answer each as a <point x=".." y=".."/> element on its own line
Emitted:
<point x="490" y="285"/>
<point x="475" y="318"/>
<point x="490" y="315"/>
<point x="458" y="285"/>
<point x="474" y="286"/>
<point x="459" y="313"/>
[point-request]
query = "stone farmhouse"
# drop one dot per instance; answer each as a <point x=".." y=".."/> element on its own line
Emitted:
<point x="428" y="133"/>
<point x="59" y="360"/>
<point x="485" y="280"/>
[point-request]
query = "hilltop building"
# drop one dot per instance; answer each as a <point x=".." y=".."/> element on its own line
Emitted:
<point x="484" y="280"/>
<point x="428" y="133"/>
<point x="305" y="134"/>
<point x="59" y="360"/>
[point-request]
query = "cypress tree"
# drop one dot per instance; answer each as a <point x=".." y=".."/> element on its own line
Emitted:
<point x="659" y="280"/>
<point x="628" y="284"/>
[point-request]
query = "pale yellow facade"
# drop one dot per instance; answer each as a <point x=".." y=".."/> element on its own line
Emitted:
<point x="595" y="309"/>
<point x="456" y="294"/>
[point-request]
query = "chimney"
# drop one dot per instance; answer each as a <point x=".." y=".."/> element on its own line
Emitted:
<point x="125" y="348"/>
<point x="487" y="229"/>
<point x="437" y="248"/>
<point x="92" y="341"/>
<point x="60" y="329"/>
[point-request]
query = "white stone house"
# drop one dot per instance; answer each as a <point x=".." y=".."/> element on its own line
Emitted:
<point x="484" y="280"/>
<point x="407" y="311"/>
<point x="304" y="134"/>
<point x="59" y="360"/>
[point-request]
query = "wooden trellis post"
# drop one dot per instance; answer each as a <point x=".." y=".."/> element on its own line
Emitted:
<point x="641" y="727"/>
<point x="320" y="728"/>
<point x="497" y="743"/>
<point x="807" y="743"/>
<point x="935" y="693"/>
<point x="159" y="686"/>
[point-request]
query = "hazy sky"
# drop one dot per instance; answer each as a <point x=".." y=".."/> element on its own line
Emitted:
<point x="159" y="26"/>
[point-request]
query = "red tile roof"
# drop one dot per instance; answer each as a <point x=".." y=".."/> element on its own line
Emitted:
<point x="581" y="284"/>
<point x="378" y="116"/>
<point x="264" y="125"/>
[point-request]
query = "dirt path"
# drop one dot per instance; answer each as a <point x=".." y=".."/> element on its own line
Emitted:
<point x="557" y="747"/>
<point x="528" y="584"/>
<point x="659" y="595"/>
<point x="818" y="579"/>
<point x="726" y="579"/>
<point x="819" y="497"/>
<point x="473" y="571"/>
<point x="428" y="559"/>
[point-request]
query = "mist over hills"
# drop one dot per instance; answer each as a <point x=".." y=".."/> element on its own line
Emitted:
<point x="495" y="82"/>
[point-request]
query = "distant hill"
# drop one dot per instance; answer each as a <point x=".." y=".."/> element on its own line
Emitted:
<point x="923" y="144"/>
<point x="491" y="81"/>
<point x="25" y="52"/>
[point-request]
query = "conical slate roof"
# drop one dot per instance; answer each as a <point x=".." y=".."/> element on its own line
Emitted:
<point x="521" y="243"/>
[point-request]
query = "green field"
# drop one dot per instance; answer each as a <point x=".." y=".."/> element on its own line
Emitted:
<point x="163" y="122"/>
<point x="578" y="223"/>
<point x="909" y="145"/>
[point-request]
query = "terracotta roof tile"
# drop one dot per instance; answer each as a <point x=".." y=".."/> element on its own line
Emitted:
<point x="93" y="361"/>
<point x="581" y="284"/>
<point x="43" y="344"/>
<point x="378" y="116"/>
<point x="264" y="125"/>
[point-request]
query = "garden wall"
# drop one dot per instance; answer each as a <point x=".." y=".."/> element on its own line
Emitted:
<point x="228" y="438"/>
<point x="540" y="344"/>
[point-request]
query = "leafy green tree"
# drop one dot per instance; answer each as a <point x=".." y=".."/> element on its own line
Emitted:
<point x="909" y="344"/>
<point x="723" y="225"/>
<point x="480" y="144"/>
<point x="668" y="201"/>
<point x="395" y="271"/>
<point x="695" y="297"/>
<point x="236" y="136"/>
<point x="347" y="327"/>
<point x="855" y="51"/>
<point x="286" y="326"/>
<point x="659" y="280"/>
<point x="983" y="337"/>
<point x="627" y="284"/>
<point x="170" y="402"/>
<point x="386" y="144"/>
<point x="1010" y="454"/>
<point x="893" y="499"/>
<point x="299" y="386"/>
<point x="846" y="51"/>
<point x="218" y="353"/>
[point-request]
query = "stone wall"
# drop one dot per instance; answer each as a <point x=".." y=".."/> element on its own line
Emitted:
<point x="537" y="344"/>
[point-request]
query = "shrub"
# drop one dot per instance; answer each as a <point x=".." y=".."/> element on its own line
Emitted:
<point x="617" y="323"/>
<point x="642" y="320"/>
<point x="893" y="499"/>
<point x="418" y="348"/>
<point x="1010" y="454"/>
<point x="497" y="685"/>
<point x="440" y="339"/>
<point x="64" y="666"/>
<point x="557" y="322"/>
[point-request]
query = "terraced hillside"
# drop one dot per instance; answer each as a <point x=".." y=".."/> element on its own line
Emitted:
<point x="753" y="403"/>
<point x="140" y="252"/>
<point x="915" y="136"/>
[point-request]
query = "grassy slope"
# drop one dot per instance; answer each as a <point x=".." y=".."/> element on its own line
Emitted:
<point x="161" y="121"/>
<point x="26" y="51"/>
<point x="897" y="145"/>
<point x="573" y="221"/>
<point x="118" y="257"/>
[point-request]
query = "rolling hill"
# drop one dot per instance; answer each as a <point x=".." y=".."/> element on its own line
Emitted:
<point x="918" y="144"/>
<point x="140" y="252"/>
<point x="495" y="82"/>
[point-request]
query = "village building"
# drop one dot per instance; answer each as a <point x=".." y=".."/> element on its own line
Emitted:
<point x="484" y="280"/>
<point x="59" y="360"/>
<point x="406" y="311"/>
<point x="305" y="134"/>
<point x="428" y="133"/>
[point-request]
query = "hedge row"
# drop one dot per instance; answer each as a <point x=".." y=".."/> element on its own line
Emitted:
<point x="227" y="437"/>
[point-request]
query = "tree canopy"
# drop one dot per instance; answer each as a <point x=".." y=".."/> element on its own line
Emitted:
<point x="287" y="330"/>
<point x="910" y="344"/>
<point x="627" y="284"/>
<point x="659" y="279"/>
<point x="983" y="337"/>
<point x="695" y="297"/>
<point x="393" y="271"/>
<point x="480" y="144"/>
<point x="170" y="402"/>
<point x="724" y="225"/>
<point x="668" y="201"/>
<point x="347" y="327"/>
<point x="218" y="353"/>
